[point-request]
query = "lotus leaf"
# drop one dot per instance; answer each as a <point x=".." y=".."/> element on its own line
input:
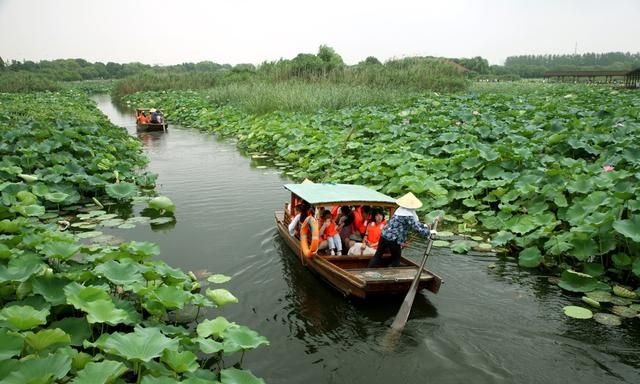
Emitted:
<point x="460" y="246"/>
<point x="238" y="376"/>
<point x="221" y="296"/>
<point x="162" y="203"/>
<point x="171" y="296"/>
<point x="243" y="338"/>
<point x="143" y="249"/>
<point x="621" y="291"/>
<point x="33" y="210"/>
<point x="161" y="220"/>
<point x="579" y="282"/>
<point x="441" y="244"/>
<point x="46" y="339"/>
<point x="5" y="252"/>
<point x="21" y="268"/>
<point x="60" y="250"/>
<point x="41" y="370"/>
<point x="23" y="317"/>
<point x="107" y="216"/>
<point x="530" y="257"/>
<point x="89" y="235"/>
<point x="213" y="327"/>
<point x="593" y="269"/>
<point x="180" y="362"/>
<point x="590" y="301"/>
<point x="619" y="300"/>
<point x="126" y="226"/>
<point x="121" y="191"/>
<point x="623" y="311"/>
<point x="607" y="319"/>
<point x="76" y="327"/>
<point x="209" y="346"/>
<point x="218" y="279"/>
<point x="112" y="222"/>
<point x="56" y="197"/>
<point x="577" y="312"/>
<point x="28" y="178"/>
<point x="122" y="272"/>
<point x="143" y="344"/>
<point x="100" y="373"/>
<point x="11" y="344"/>
<point x="51" y="288"/>
<point x="96" y="303"/>
<point x="629" y="228"/>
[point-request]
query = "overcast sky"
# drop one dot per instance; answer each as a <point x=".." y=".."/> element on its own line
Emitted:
<point x="251" y="31"/>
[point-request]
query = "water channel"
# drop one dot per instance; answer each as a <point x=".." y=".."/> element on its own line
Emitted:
<point x="491" y="322"/>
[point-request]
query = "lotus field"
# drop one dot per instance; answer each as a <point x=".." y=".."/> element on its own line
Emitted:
<point x="76" y="309"/>
<point x="552" y="174"/>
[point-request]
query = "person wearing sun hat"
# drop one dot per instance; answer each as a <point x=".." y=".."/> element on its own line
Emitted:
<point x="394" y="234"/>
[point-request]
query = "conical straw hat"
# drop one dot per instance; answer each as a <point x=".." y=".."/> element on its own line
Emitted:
<point x="307" y="181"/>
<point x="409" y="201"/>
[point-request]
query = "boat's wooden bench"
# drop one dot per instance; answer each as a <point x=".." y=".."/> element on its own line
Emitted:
<point x="389" y="274"/>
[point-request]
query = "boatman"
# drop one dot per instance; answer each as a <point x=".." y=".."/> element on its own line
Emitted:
<point x="394" y="234"/>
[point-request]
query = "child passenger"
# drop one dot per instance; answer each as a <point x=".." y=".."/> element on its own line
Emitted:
<point x="329" y="232"/>
<point x="371" y="236"/>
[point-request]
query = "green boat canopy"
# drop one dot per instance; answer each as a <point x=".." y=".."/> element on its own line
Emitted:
<point x="343" y="194"/>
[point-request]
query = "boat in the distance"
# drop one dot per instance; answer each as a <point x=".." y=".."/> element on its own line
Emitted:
<point x="350" y="274"/>
<point x="147" y="127"/>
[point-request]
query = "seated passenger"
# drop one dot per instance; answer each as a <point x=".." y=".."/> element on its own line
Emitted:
<point x="345" y="228"/>
<point x="329" y="234"/>
<point x="371" y="237"/>
<point x="302" y="210"/>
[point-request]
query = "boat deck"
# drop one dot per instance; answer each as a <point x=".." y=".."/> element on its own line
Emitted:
<point x="398" y="274"/>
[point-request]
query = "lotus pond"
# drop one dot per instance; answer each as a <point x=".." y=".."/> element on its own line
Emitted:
<point x="81" y="306"/>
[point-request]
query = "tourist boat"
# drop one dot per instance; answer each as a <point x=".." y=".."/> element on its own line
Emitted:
<point x="350" y="274"/>
<point x="150" y="126"/>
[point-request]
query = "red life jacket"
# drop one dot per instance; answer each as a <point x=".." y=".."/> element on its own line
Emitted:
<point x="358" y="222"/>
<point x="374" y="231"/>
<point x="329" y="231"/>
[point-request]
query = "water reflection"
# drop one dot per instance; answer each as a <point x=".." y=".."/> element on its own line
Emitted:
<point x="151" y="140"/>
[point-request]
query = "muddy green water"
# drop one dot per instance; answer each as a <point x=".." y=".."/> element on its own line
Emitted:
<point x="490" y="323"/>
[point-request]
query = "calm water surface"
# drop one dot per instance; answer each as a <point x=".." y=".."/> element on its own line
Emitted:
<point x="490" y="323"/>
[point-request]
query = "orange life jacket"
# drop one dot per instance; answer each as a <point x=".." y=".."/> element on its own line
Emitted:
<point x="358" y="222"/>
<point x="331" y="230"/>
<point x="374" y="231"/>
<point x="142" y="119"/>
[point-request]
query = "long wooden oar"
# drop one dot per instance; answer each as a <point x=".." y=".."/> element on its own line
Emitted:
<point x="403" y="314"/>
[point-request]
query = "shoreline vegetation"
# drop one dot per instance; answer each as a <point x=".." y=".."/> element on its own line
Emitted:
<point x="75" y="304"/>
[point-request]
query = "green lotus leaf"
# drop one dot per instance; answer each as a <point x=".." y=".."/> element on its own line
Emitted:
<point x="238" y="376"/>
<point x="33" y="210"/>
<point x="171" y="297"/>
<point x="143" y="344"/>
<point x="46" y="338"/>
<point x="213" y="327"/>
<point x="60" y="249"/>
<point x="112" y="222"/>
<point x="590" y="301"/>
<point x="460" y="246"/>
<point x="530" y="257"/>
<point x="21" y="268"/>
<point x="89" y="234"/>
<point x="26" y="198"/>
<point x="76" y="327"/>
<point x="126" y="226"/>
<point x="28" y="178"/>
<point x="629" y="228"/>
<point x="583" y="247"/>
<point x="162" y="203"/>
<point x="121" y="191"/>
<point x="607" y="319"/>
<point x="41" y="370"/>
<point x="621" y="260"/>
<point x="577" y="312"/>
<point x="522" y="224"/>
<point x="623" y="311"/>
<point x="150" y="379"/>
<point x="441" y="243"/>
<point x="5" y="252"/>
<point x="218" y="279"/>
<point x="221" y="296"/>
<point x="121" y="272"/>
<point x="209" y="346"/>
<point x="579" y="282"/>
<point x="96" y="303"/>
<point x="502" y="238"/>
<point x="635" y="267"/>
<point x="161" y="220"/>
<point x="23" y="317"/>
<point x="11" y="226"/>
<point x="56" y="197"/>
<point x="11" y="344"/>
<point x="105" y="216"/>
<point x="243" y="337"/>
<point x="51" y="288"/>
<point x="142" y="248"/>
<point x="593" y="269"/>
<point x="180" y="362"/>
<point x="600" y="296"/>
<point x="100" y="373"/>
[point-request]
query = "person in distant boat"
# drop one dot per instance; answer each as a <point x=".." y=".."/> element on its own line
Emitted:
<point x="371" y="236"/>
<point x="141" y="118"/>
<point x="345" y="227"/>
<point x="156" y="116"/>
<point x="394" y="234"/>
<point x="302" y="210"/>
<point x="329" y="236"/>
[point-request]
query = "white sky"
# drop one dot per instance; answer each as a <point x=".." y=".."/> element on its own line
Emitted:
<point x="251" y="31"/>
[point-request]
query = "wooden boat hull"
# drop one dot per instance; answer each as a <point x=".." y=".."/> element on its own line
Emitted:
<point x="153" y="127"/>
<point x="350" y="275"/>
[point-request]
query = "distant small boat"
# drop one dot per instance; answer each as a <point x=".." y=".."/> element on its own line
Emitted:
<point x="350" y="274"/>
<point x="149" y="126"/>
